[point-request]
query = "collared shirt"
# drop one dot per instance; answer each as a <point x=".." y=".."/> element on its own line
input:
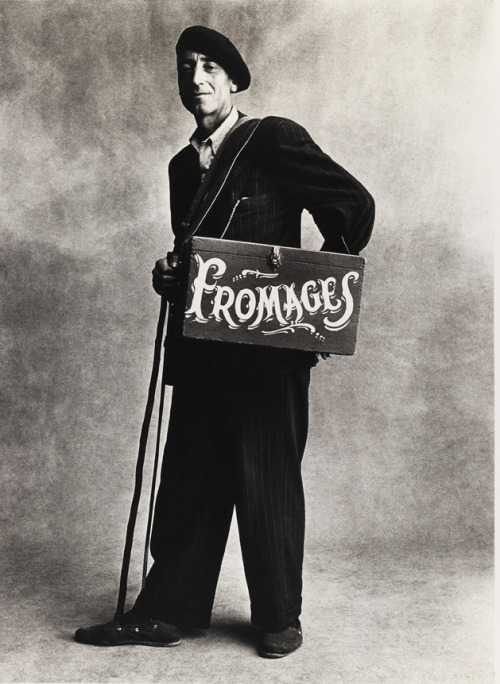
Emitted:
<point x="207" y="149"/>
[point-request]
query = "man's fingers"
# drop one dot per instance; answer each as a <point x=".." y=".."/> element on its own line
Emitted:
<point x="162" y="266"/>
<point x="164" y="281"/>
<point x="163" y="289"/>
<point x="164" y="284"/>
<point x="164" y="277"/>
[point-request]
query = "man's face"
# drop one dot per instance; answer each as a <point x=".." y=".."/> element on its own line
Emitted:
<point x="204" y="86"/>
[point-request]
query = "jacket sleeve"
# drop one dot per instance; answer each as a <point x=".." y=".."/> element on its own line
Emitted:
<point x="341" y="207"/>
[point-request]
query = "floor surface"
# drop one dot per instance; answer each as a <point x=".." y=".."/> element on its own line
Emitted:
<point x="370" y="616"/>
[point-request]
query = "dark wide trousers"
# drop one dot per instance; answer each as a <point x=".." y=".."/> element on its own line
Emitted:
<point x="231" y="447"/>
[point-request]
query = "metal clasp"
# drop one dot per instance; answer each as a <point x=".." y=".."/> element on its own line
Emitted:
<point x="275" y="258"/>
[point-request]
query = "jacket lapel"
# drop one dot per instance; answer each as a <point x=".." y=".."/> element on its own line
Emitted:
<point x="228" y="163"/>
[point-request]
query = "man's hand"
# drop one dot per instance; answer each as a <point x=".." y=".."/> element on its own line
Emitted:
<point x="164" y="279"/>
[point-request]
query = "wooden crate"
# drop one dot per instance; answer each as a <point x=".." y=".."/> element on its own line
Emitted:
<point x="272" y="296"/>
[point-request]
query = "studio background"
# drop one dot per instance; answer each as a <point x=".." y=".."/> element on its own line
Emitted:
<point x="399" y="460"/>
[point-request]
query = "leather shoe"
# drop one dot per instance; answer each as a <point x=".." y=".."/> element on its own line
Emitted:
<point x="280" y="643"/>
<point x="143" y="632"/>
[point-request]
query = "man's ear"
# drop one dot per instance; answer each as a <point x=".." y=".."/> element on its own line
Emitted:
<point x="233" y="87"/>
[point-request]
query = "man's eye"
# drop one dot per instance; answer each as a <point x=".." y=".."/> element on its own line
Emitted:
<point x="210" y="67"/>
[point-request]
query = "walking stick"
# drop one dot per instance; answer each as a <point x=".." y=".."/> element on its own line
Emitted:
<point x="122" y="594"/>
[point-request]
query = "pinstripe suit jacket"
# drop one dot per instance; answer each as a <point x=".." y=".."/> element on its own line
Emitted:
<point x="277" y="175"/>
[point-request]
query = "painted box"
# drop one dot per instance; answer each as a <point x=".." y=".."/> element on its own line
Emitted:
<point x="250" y="293"/>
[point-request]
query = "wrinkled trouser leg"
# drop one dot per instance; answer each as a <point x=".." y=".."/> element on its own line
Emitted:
<point x="234" y="447"/>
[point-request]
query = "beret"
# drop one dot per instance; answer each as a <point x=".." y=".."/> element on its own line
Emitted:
<point x="219" y="48"/>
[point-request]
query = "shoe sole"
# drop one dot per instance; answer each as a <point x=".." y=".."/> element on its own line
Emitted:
<point x="132" y="643"/>
<point x="271" y="655"/>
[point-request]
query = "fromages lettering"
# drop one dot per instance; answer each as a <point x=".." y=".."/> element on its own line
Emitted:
<point x="319" y="305"/>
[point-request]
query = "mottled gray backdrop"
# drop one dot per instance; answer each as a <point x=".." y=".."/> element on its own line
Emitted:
<point x="400" y="449"/>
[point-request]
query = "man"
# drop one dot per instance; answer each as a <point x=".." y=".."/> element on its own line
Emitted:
<point x="239" y="414"/>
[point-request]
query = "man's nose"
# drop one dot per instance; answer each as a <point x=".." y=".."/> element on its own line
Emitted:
<point x="198" y="75"/>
